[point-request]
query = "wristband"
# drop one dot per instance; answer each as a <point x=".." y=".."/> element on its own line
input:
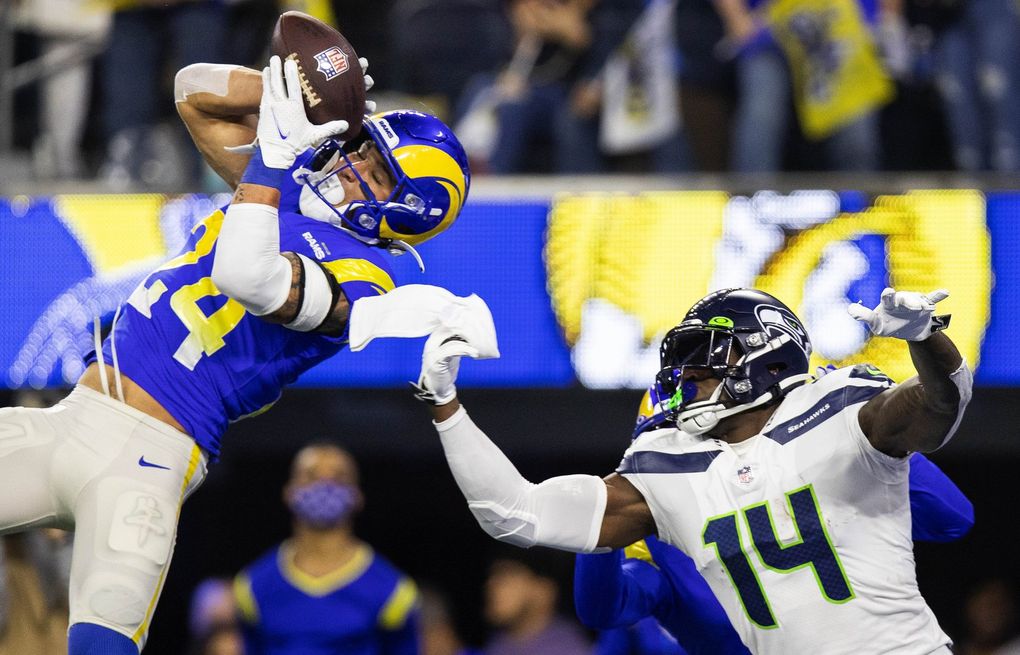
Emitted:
<point x="258" y="173"/>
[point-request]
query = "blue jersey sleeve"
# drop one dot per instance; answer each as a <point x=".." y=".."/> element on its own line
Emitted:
<point x="398" y="620"/>
<point x="402" y="641"/>
<point x="645" y="637"/>
<point x="247" y="615"/>
<point x="359" y="269"/>
<point x="611" y="592"/>
<point x="692" y="614"/>
<point x="939" y="511"/>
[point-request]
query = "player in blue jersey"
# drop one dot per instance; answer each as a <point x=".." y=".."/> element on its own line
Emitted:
<point x="324" y="591"/>
<point x="258" y="296"/>
<point x="652" y="579"/>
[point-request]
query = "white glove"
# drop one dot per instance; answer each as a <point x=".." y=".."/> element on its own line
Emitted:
<point x="369" y="83"/>
<point x="440" y="363"/>
<point x="284" y="131"/>
<point x="903" y="314"/>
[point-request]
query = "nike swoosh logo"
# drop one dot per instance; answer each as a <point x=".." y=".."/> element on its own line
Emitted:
<point x="277" y="124"/>
<point x="142" y="462"/>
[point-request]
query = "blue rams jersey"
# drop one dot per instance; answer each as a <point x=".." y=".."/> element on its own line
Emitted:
<point x="367" y="607"/>
<point x="202" y="356"/>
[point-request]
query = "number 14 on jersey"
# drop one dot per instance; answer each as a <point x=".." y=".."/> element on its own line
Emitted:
<point x="812" y="549"/>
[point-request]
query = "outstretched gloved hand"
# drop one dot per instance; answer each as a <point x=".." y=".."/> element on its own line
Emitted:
<point x="440" y="363"/>
<point x="903" y="314"/>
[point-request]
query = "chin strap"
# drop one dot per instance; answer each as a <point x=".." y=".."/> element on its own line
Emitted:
<point x="701" y="417"/>
<point x="398" y="247"/>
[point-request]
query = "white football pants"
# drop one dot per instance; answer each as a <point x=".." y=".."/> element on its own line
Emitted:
<point x="115" y="476"/>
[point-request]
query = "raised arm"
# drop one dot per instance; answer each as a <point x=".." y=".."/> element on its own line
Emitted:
<point x="922" y="413"/>
<point x="286" y="288"/>
<point x="578" y="513"/>
<point x="219" y="105"/>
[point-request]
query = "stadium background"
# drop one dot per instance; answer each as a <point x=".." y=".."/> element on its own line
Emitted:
<point x="580" y="283"/>
<point x="582" y="273"/>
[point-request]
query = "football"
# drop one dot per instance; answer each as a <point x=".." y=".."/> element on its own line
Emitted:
<point x="332" y="83"/>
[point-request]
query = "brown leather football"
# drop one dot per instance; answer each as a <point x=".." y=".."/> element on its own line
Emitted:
<point x="332" y="84"/>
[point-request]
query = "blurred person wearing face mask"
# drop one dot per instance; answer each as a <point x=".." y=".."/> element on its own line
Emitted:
<point x="324" y="590"/>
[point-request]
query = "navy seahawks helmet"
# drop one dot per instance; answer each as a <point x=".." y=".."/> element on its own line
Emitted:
<point x="749" y="340"/>
<point x="432" y="177"/>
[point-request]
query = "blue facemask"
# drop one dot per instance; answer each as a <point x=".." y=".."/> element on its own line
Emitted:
<point x="323" y="504"/>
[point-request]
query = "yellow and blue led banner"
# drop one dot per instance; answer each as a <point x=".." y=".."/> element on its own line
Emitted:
<point x="581" y="287"/>
<point x="623" y="269"/>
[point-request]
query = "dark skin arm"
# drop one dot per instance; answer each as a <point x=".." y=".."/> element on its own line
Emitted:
<point x="627" y="518"/>
<point x="337" y="319"/>
<point x="916" y="415"/>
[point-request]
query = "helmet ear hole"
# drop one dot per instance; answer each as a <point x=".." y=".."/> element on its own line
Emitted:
<point x="777" y="368"/>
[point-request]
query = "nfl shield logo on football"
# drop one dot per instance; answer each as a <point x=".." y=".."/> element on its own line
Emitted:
<point x="744" y="475"/>
<point x="331" y="62"/>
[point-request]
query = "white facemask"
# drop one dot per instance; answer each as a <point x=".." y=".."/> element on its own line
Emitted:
<point x="313" y="207"/>
<point x="331" y="189"/>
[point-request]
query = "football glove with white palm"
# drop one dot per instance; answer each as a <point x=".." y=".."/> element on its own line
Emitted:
<point x="440" y="363"/>
<point x="903" y="314"/>
<point x="284" y="131"/>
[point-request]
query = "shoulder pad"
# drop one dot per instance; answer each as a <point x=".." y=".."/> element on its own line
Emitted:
<point x="870" y="372"/>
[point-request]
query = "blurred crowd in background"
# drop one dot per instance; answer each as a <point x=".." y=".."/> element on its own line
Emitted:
<point x="557" y="86"/>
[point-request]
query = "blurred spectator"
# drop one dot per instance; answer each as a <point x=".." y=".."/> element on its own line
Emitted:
<point x="547" y="100"/>
<point x="707" y="84"/>
<point x="977" y="58"/>
<point x="522" y="596"/>
<point x="914" y="132"/>
<point x="224" y="639"/>
<point x="991" y="615"/>
<point x="435" y="47"/>
<point x="787" y="49"/>
<point x="68" y="31"/>
<point x="34" y="573"/>
<point x="325" y="590"/>
<point x="438" y="633"/>
<point x="149" y="39"/>
<point x="639" y="114"/>
<point x="249" y="27"/>
<point x="213" y="617"/>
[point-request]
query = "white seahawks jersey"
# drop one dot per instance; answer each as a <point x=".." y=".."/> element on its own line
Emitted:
<point x="803" y="531"/>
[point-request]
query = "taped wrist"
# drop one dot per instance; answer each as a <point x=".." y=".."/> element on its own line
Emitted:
<point x="963" y="378"/>
<point x="248" y="266"/>
<point x="259" y="173"/>
<point x="203" y="78"/>
<point x="563" y="512"/>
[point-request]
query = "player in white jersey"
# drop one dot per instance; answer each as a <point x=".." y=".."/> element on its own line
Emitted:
<point x="790" y="496"/>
